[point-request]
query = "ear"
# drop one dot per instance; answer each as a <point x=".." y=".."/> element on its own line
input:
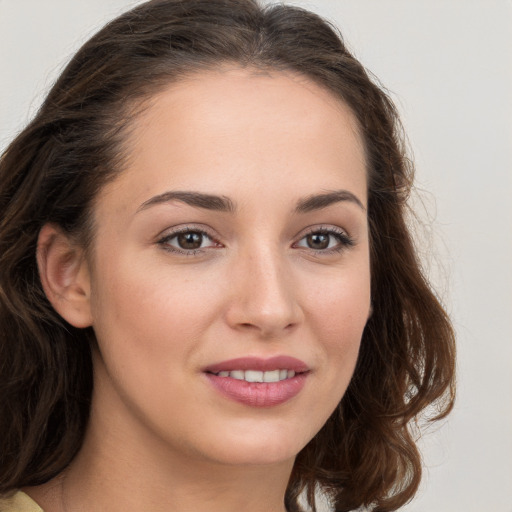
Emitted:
<point x="64" y="275"/>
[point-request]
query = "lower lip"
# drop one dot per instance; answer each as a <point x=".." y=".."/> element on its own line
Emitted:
<point x="259" y="394"/>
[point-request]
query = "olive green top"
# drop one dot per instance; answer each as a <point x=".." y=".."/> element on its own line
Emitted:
<point x="19" y="502"/>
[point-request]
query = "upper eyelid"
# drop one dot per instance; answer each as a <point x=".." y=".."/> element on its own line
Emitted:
<point x="174" y="231"/>
<point x="327" y="228"/>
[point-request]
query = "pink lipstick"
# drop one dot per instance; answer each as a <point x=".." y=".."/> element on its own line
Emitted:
<point x="259" y="382"/>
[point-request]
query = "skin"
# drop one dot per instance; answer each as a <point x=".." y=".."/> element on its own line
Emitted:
<point x="161" y="437"/>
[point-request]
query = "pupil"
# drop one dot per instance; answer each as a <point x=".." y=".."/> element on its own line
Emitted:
<point x="318" y="241"/>
<point x="190" y="240"/>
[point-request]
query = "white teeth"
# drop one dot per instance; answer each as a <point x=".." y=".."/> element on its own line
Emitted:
<point x="272" y="376"/>
<point x="253" y="376"/>
<point x="258" y="376"/>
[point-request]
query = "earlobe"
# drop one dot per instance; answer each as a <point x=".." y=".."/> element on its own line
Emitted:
<point x="64" y="275"/>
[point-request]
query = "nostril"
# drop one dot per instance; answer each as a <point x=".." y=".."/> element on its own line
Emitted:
<point x="256" y="312"/>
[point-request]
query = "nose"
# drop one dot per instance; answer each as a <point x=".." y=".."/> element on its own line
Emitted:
<point x="265" y="297"/>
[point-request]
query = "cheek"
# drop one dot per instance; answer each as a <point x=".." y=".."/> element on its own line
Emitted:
<point x="341" y="305"/>
<point x="148" y="319"/>
<point x="338" y="314"/>
<point x="148" y="325"/>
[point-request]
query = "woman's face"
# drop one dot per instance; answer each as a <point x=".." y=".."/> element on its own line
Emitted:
<point x="233" y="248"/>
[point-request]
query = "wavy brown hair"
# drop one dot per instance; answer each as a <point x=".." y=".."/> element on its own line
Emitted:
<point x="366" y="454"/>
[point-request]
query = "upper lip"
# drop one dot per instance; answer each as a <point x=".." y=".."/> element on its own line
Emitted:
<point x="257" y="363"/>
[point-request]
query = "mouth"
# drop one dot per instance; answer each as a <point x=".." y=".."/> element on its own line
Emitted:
<point x="259" y="382"/>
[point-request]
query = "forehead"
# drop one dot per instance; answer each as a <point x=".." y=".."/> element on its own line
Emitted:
<point x="217" y="130"/>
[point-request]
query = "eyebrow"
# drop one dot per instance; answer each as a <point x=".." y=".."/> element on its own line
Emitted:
<point x="197" y="199"/>
<point x="319" y="201"/>
<point x="225" y="204"/>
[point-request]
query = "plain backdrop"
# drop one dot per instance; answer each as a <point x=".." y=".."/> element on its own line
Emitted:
<point x="448" y="66"/>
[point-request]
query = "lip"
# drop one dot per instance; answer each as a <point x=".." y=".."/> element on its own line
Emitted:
<point x="260" y="364"/>
<point x="259" y="394"/>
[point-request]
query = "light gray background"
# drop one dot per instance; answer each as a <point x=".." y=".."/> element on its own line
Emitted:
<point x="448" y="65"/>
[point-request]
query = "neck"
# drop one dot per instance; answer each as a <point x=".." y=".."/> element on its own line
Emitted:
<point x="120" y="485"/>
<point x="117" y="482"/>
<point x="131" y="472"/>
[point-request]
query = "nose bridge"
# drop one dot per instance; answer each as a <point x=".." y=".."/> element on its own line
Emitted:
<point x="265" y="297"/>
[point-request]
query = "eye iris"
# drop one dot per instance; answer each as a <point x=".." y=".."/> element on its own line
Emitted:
<point x="190" y="240"/>
<point x="318" y="241"/>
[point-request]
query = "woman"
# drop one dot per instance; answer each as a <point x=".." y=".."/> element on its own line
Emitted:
<point x="210" y="299"/>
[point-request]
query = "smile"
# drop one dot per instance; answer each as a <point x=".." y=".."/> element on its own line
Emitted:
<point x="259" y="382"/>
<point x="258" y="376"/>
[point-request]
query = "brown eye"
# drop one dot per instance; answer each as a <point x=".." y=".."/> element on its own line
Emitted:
<point x="326" y="240"/>
<point x="190" y="240"/>
<point x="187" y="241"/>
<point x="318" y="241"/>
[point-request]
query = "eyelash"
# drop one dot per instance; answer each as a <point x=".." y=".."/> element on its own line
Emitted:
<point x="164" y="241"/>
<point x="344" y="241"/>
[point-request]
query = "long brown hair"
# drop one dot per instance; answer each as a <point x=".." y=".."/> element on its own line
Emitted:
<point x="366" y="454"/>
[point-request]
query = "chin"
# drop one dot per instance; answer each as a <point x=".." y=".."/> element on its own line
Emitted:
<point x="261" y="455"/>
<point x="258" y="446"/>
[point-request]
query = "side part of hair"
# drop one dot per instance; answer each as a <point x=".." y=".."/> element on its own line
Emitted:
<point x="366" y="453"/>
